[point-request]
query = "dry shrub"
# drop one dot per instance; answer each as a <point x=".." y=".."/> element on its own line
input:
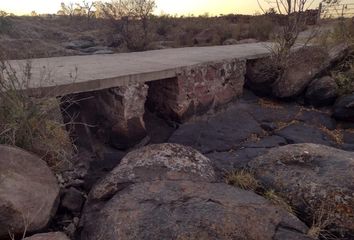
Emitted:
<point x="268" y="103"/>
<point x="31" y="123"/>
<point x="5" y="23"/>
<point x="343" y="31"/>
<point x="261" y="27"/>
<point x="245" y="180"/>
<point x="242" y="179"/>
<point x="275" y="198"/>
<point x="321" y="220"/>
<point x="344" y="76"/>
<point x="135" y="37"/>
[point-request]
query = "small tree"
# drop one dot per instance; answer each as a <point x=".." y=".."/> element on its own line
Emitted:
<point x="295" y="15"/>
<point x="67" y="9"/>
<point x="88" y="9"/>
<point x="3" y="14"/>
<point x="142" y="9"/>
<point x="5" y="24"/>
<point x="124" y="13"/>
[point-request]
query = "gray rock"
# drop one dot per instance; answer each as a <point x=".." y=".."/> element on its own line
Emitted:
<point x="266" y="142"/>
<point x="348" y="136"/>
<point x="305" y="63"/>
<point x="107" y="51"/>
<point x="315" y="179"/>
<point x="268" y="126"/>
<point x="261" y="74"/>
<point x="160" y="45"/>
<point x="167" y="192"/>
<point x="220" y="133"/>
<point x="226" y="162"/>
<point x="230" y="41"/>
<point x="73" y="200"/>
<point x="322" y="91"/>
<point x="28" y="191"/>
<point x="48" y="236"/>
<point x="247" y="40"/>
<point x="79" y="44"/>
<point x="94" y="49"/>
<point x="302" y="133"/>
<point x="344" y="108"/>
<point x="316" y="118"/>
<point x="270" y="111"/>
<point x="188" y="210"/>
<point x="155" y="162"/>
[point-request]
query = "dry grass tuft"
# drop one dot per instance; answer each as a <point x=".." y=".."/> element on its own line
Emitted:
<point x="243" y="179"/>
<point x="336" y="135"/>
<point x="320" y="222"/>
<point x="281" y="125"/>
<point x="31" y="123"/>
<point x="269" y="104"/>
<point x="275" y="198"/>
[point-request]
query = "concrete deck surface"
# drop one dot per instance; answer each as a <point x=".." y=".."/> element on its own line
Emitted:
<point x="63" y="75"/>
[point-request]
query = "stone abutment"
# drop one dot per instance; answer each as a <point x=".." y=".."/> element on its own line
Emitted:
<point x="115" y="116"/>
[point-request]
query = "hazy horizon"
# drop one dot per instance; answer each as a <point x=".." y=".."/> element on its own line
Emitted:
<point x="183" y="7"/>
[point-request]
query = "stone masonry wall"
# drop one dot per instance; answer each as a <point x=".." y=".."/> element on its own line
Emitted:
<point x="197" y="89"/>
<point x="115" y="116"/>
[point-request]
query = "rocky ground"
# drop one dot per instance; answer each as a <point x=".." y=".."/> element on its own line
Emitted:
<point x="299" y="154"/>
<point x="259" y="168"/>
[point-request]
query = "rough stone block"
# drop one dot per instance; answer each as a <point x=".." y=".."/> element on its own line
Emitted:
<point x="197" y="89"/>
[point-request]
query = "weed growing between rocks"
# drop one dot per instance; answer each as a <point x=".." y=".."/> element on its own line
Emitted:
<point x="320" y="218"/>
<point x="342" y="33"/>
<point x="275" y="198"/>
<point x="245" y="180"/>
<point x="336" y="135"/>
<point x="31" y="123"/>
<point x="5" y="23"/>
<point x="242" y="179"/>
<point x="344" y="76"/>
<point x="320" y="222"/>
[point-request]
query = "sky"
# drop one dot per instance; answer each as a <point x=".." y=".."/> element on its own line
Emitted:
<point x="180" y="7"/>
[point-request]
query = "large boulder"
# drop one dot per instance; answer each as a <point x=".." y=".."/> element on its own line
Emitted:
<point x="322" y="91"/>
<point x="152" y="163"/>
<point x="317" y="180"/>
<point x="220" y="133"/>
<point x="263" y="75"/>
<point x="304" y="64"/>
<point x="189" y="210"/>
<point x="168" y="192"/>
<point x="344" y="108"/>
<point x="48" y="236"/>
<point x="28" y="192"/>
